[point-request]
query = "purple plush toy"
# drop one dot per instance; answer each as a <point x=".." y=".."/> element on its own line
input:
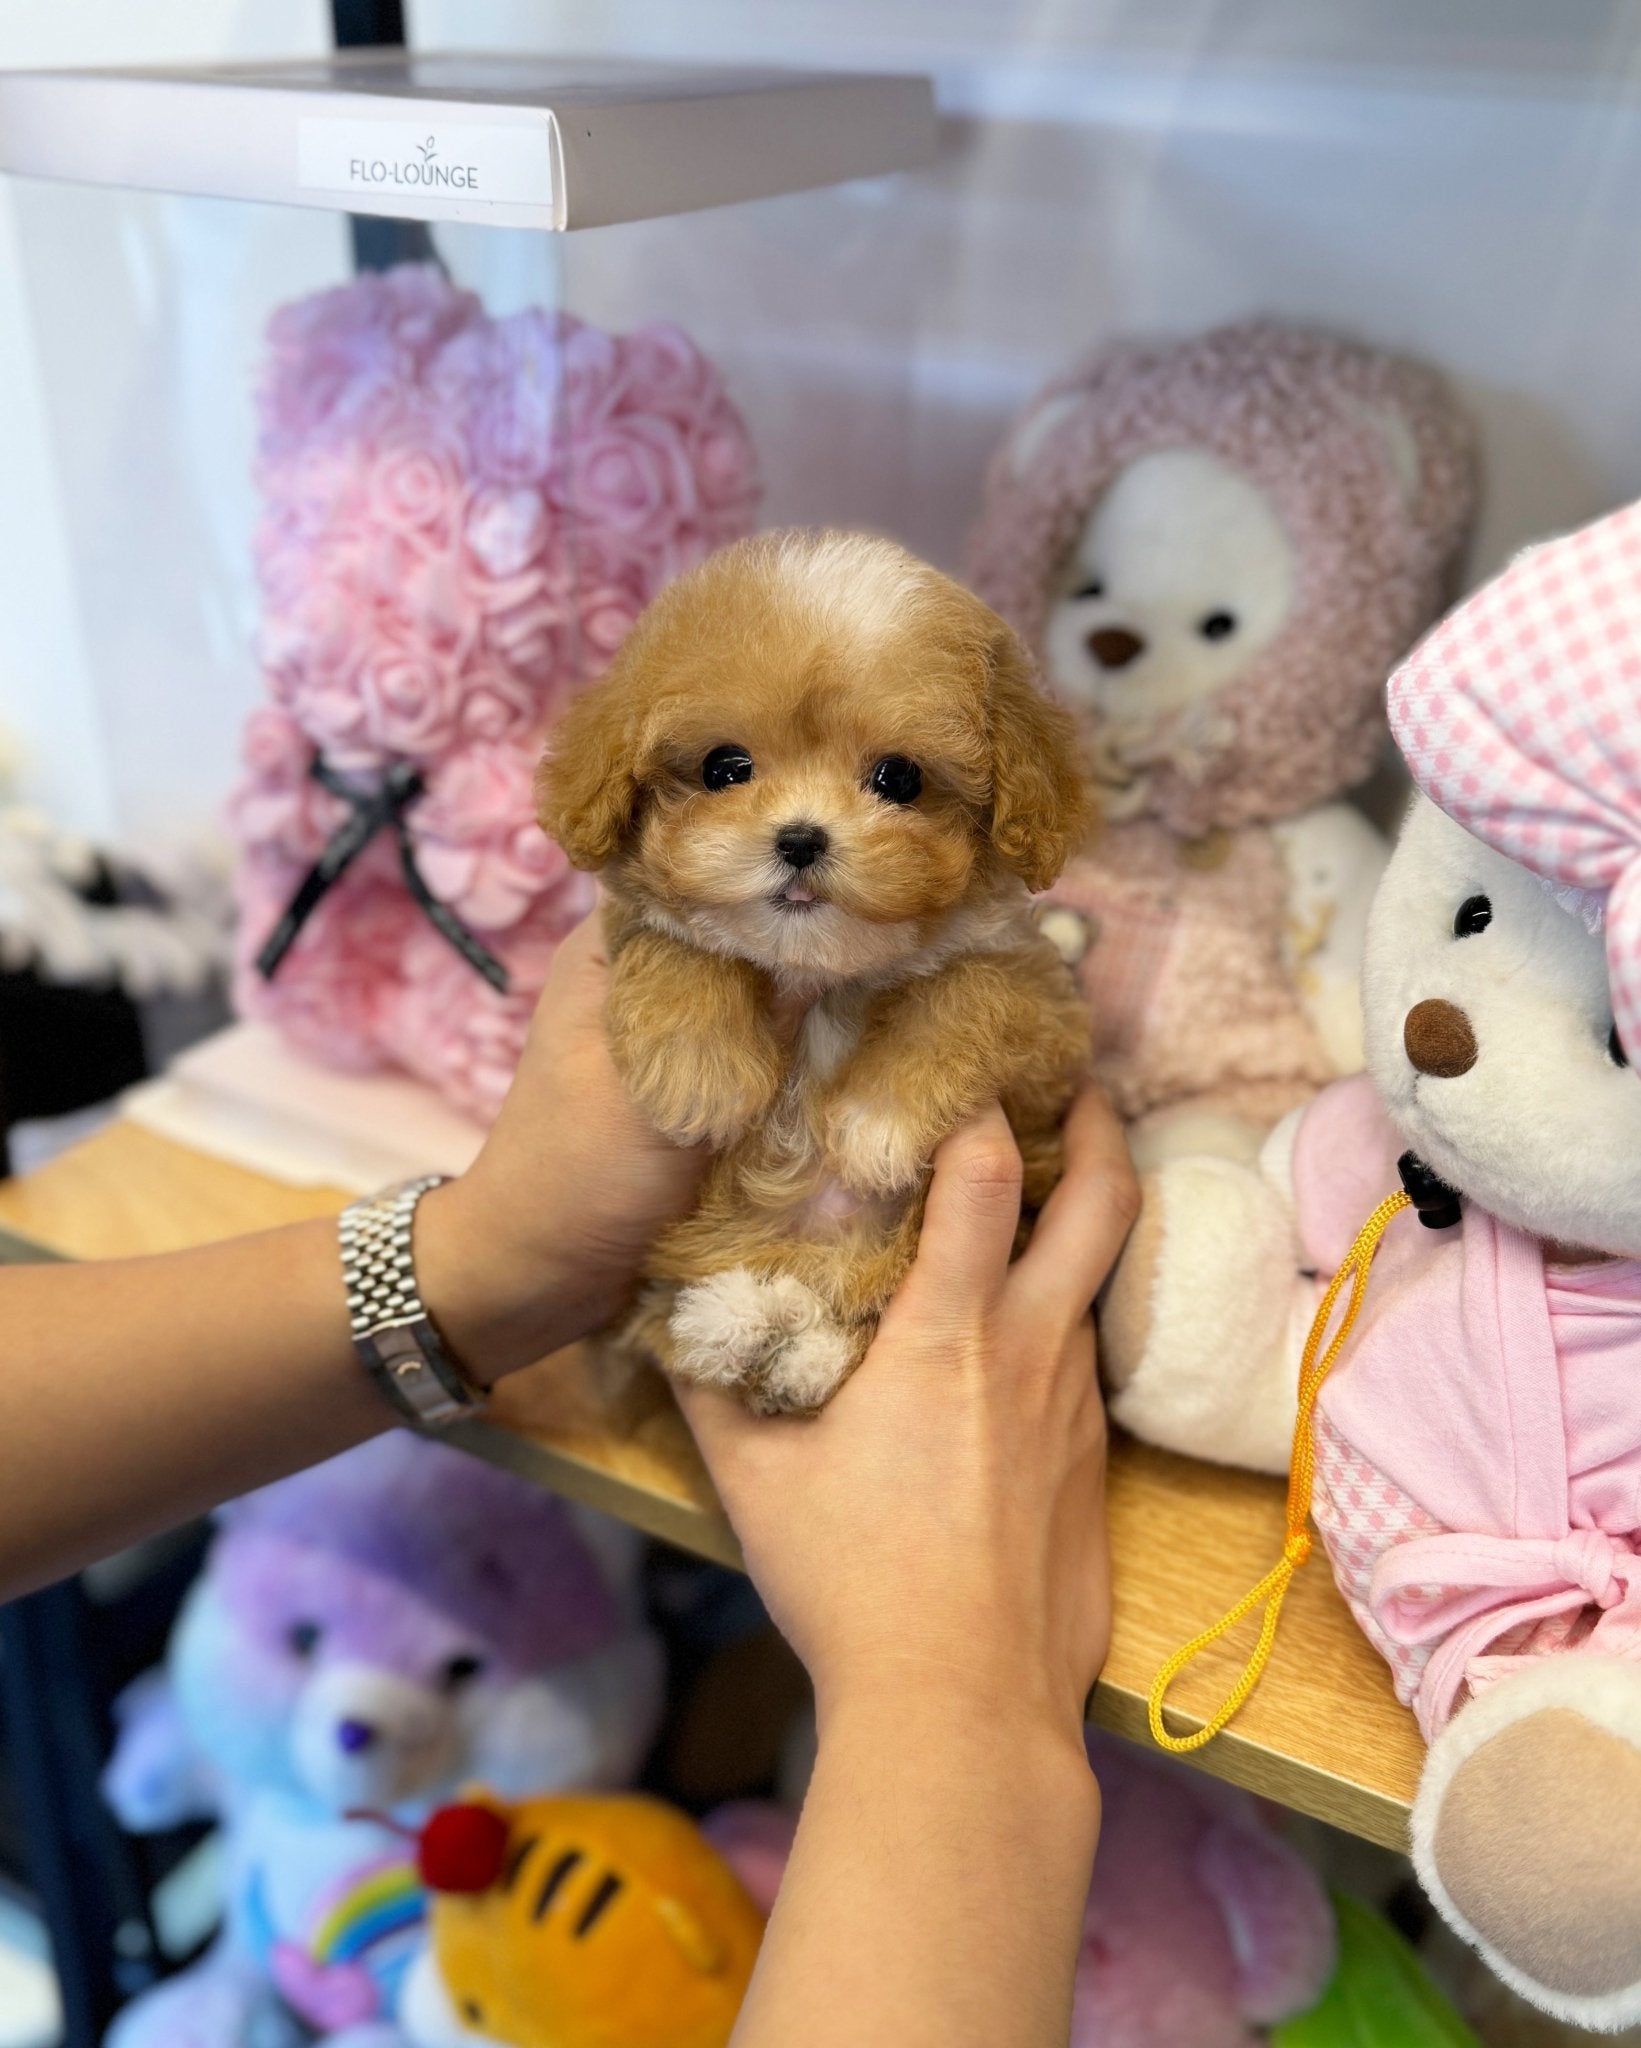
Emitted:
<point x="366" y="1637"/>
<point x="1203" y="1927"/>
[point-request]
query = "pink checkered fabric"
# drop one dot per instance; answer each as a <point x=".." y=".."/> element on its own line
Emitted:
<point x="1521" y="717"/>
<point x="1361" y="1517"/>
<point x="1360" y="1514"/>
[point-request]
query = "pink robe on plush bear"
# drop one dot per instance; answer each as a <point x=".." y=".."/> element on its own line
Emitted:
<point x="1479" y="1441"/>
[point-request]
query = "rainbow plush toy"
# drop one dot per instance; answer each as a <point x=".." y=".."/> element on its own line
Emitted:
<point x="364" y="1637"/>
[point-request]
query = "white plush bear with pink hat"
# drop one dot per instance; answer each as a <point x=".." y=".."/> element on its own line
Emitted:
<point x="1478" y="1442"/>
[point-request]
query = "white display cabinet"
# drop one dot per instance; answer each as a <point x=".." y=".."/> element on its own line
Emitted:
<point x="1455" y="182"/>
<point x="139" y="318"/>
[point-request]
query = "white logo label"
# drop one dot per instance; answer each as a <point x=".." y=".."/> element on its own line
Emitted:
<point x="496" y="166"/>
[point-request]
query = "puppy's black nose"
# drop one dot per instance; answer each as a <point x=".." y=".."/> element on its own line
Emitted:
<point x="800" y="845"/>
<point x="1115" y="646"/>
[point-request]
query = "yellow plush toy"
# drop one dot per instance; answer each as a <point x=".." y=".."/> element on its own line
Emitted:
<point x="582" y="1923"/>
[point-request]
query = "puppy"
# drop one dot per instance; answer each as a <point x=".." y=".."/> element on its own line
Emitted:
<point x="819" y="782"/>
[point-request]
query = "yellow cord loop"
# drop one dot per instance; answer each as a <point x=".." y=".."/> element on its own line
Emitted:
<point x="1272" y="1588"/>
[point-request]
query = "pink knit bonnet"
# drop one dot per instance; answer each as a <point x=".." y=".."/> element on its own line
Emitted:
<point x="1521" y="717"/>
<point x="1303" y="415"/>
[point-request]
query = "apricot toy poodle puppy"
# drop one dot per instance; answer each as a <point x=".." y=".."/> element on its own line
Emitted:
<point x="819" y="783"/>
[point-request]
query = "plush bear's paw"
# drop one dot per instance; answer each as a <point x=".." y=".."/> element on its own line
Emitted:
<point x="773" y="1341"/>
<point x="1527" y="1834"/>
<point x="202" y="2008"/>
<point x="1196" y="1324"/>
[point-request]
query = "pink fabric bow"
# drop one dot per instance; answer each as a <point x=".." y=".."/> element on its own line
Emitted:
<point x="1521" y="717"/>
<point x="1459" y="1594"/>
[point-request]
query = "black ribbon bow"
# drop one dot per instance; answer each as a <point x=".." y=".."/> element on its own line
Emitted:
<point x="369" y="811"/>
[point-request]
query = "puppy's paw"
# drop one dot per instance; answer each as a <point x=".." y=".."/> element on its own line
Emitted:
<point x="877" y="1151"/>
<point x="806" y="1372"/>
<point x="771" y="1340"/>
<point x="695" y="1087"/>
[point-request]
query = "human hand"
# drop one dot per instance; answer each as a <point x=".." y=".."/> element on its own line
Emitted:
<point x="940" y="1526"/>
<point x="539" y="1241"/>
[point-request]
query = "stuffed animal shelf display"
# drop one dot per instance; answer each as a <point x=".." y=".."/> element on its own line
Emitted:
<point x="1217" y="548"/>
<point x="463" y="516"/>
<point x="617" y="1923"/>
<point x="364" y="1637"/>
<point x="818" y="777"/>
<point x="1477" y="1441"/>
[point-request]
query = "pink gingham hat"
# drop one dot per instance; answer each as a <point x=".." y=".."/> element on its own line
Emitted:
<point x="1520" y="716"/>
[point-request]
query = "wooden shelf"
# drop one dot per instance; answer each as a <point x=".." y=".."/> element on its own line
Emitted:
<point x="1323" y="1734"/>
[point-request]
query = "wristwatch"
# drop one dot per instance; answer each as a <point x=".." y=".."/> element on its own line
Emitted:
<point x="392" y="1331"/>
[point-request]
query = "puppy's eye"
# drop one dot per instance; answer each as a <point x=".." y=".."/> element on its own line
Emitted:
<point x="1475" y="914"/>
<point x="459" y="1671"/>
<point x="1094" y="587"/>
<point x="725" y="765"/>
<point x="1615" y="1049"/>
<point x="303" y="1638"/>
<point x="1218" y="626"/>
<point x="896" y="780"/>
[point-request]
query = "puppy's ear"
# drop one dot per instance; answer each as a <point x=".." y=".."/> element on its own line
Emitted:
<point x="1039" y="806"/>
<point x="587" y="784"/>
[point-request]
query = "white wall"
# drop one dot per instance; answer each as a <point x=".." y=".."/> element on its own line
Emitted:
<point x="128" y="327"/>
<point x="1457" y="180"/>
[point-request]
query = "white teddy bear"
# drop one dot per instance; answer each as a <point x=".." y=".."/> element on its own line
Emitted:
<point x="1478" y="1443"/>
<point x="1218" y="548"/>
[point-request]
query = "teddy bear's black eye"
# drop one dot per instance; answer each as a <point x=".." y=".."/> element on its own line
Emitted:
<point x="460" y="1671"/>
<point x="1615" y="1049"/>
<point x="303" y="1637"/>
<point x="896" y="780"/>
<point x="1475" y="915"/>
<point x="1094" y="587"/>
<point x="472" y="2010"/>
<point x="725" y="765"/>
<point x="1218" y="626"/>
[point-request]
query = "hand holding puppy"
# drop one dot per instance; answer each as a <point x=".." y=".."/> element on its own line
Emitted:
<point x="951" y="1540"/>
<point x="819" y="783"/>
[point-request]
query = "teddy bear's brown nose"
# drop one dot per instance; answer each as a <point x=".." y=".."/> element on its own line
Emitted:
<point x="1114" y="646"/>
<point x="1439" y="1039"/>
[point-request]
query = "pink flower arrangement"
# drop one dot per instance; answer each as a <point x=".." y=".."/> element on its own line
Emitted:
<point x="463" y="517"/>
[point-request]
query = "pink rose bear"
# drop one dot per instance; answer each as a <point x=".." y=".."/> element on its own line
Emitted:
<point x="1478" y="1443"/>
<point x="463" y="517"/>
<point x="1218" y="547"/>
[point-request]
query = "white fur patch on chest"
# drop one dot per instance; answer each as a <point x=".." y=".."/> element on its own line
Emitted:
<point x="827" y="1037"/>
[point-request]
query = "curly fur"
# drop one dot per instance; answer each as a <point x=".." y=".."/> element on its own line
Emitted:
<point x="909" y="948"/>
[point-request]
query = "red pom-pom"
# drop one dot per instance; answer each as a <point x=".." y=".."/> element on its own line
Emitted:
<point x="462" y="1849"/>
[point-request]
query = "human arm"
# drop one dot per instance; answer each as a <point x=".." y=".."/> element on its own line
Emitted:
<point x="139" y="1392"/>
<point x="933" y="1546"/>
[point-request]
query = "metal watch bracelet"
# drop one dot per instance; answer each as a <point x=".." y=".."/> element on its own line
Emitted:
<point x="393" y="1334"/>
